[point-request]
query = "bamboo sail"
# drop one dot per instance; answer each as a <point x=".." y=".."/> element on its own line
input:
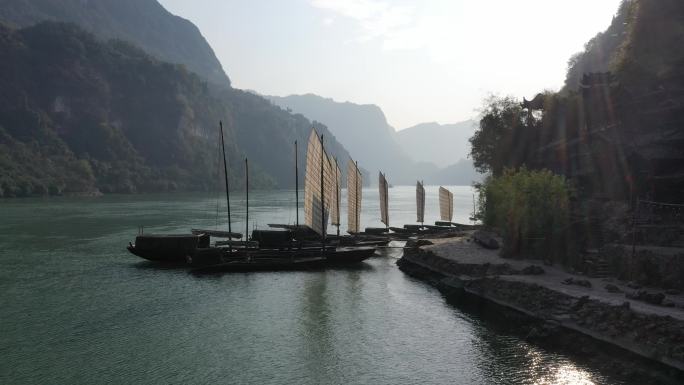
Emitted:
<point x="384" y="201"/>
<point x="335" y="192"/>
<point x="446" y="205"/>
<point x="354" y="184"/>
<point x="420" y="202"/>
<point x="318" y="185"/>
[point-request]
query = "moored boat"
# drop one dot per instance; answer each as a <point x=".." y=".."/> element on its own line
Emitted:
<point x="167" y="248"/>
<point x="217" y="259"/>
<point x="178" y="247"/>
<point x="288" y="247"/>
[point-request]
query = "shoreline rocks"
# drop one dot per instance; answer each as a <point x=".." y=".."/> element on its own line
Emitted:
<point x="659" y="338"/>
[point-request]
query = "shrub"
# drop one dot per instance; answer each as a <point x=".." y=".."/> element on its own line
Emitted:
<point x="531" y="209"/>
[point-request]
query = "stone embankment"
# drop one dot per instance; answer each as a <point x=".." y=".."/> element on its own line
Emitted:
<point x="605" y="311"/>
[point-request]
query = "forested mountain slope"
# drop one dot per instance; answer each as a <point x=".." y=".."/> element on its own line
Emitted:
<point x="144" y="23"/>
<point x="80" y="115"/>
<point x="616" y="129"/>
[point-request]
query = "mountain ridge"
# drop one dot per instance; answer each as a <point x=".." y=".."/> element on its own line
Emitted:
<point x="363" y="129"/>
<point x="440" y="144"/>
<point x="145" y="23"/>
<point x="252" y="121"/>
<point x="106" y="116"/>
<point x="360" y="128"/>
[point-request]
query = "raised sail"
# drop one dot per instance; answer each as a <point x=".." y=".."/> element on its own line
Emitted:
<point x="384" y="201"/>
<point x="335" y="193"/>
<point x="446" y="204"/>
<point x="354" y="184"/>
<point x="420" y="202"/>
<point x="316" y="206"/>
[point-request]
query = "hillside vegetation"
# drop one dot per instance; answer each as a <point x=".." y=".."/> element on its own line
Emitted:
<point x="144" y="23"/>
<point x="616" y="128"/>
<point x="615" y="133"/>
<point x="79" y="115"/>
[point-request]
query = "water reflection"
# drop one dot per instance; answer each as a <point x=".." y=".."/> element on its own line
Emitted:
<point x="77" y="308"/>
<point x="566" y="375"/>
<point x="315" y="328"/>
<point x="506" y="358"/>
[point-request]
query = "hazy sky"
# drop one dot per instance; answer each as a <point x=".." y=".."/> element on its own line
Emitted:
<point x="420" y="61"/>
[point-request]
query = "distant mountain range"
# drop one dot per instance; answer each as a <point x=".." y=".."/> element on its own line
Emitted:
<point x="428" y="151"/>
<point x="80" y="113"/>
<point x="362" y="129"/>
<point x="441" y="144"/>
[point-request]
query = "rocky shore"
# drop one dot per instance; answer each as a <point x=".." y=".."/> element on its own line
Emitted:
<point x="608" y="320"/>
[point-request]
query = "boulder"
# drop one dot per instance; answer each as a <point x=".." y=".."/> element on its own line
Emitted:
<point x="486" y="239"/>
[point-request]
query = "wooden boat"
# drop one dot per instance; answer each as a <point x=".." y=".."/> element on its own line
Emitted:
<point x="297" y="248"/>
<point x="288" y="236"/>
<point x="263" y="264"/>
<point x="217" y="259"/>
<point x="458" y="225"/>
<point x="321" y="167"/>
<point x="177" y="247"/>
<point x="403" y="230"/>
<point x="217" y="233"/>
<point x="167" y="248"/>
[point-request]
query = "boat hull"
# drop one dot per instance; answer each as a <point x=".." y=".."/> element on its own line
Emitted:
<point x="263" y="264"/>
<point x="167" y="248"/>
<point x="224" y="259"/>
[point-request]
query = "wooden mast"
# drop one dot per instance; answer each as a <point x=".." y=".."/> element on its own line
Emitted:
<point x="296" y="185"/>
<point x="422" y="222"/>
<point x="337" y="195"/>
<point x="323" y="219"/>
<point x="225" y="171"/>
<point x="246" y="200"/>
<point x="356" y="196"/>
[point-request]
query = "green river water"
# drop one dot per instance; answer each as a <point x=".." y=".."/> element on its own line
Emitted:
<point x="76" y="308"/>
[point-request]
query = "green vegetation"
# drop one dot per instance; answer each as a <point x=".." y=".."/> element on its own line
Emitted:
<point x="144" y="23"/>
<point x="531" y="208"/>
<point x="490" y="145"/>
<point x="80" y="115"/>
<point x="614" y="131"/>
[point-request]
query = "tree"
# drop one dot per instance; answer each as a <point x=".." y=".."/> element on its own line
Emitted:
<point x="491" y="143"/>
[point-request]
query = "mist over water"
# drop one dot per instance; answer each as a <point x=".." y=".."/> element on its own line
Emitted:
<point x="78" y="309"/>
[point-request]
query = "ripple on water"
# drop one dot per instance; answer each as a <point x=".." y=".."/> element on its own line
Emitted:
<point x="78" y="309"/>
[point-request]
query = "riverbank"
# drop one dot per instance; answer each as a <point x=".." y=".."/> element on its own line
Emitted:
<point x="556" y="304"/>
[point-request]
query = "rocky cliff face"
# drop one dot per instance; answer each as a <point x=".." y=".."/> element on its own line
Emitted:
<point x="144" y="23"/>
<point x="148" y="113"/>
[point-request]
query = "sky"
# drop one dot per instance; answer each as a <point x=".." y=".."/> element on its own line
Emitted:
<point x="420" y="61"/>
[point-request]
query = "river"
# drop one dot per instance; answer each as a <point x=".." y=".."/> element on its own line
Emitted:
<point x="78" y="309"/>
